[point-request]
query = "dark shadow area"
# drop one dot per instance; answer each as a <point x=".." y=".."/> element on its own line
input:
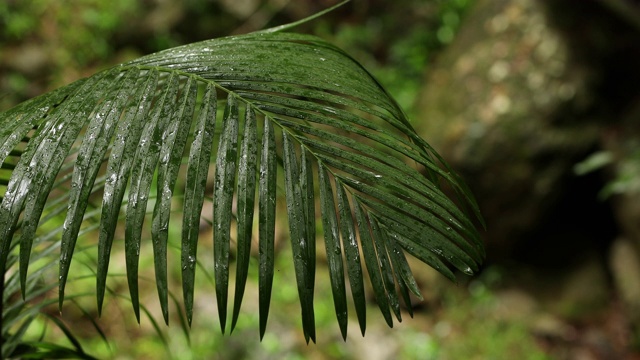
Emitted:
<point x="579" y="224"/>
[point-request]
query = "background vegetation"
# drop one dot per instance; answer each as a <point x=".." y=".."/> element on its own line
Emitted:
<point x="549" y="290"/>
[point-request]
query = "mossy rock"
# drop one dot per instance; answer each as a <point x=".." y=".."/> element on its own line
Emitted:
<point x="500" y="105"/>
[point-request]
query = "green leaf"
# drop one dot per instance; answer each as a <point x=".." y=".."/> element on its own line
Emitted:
<point x="198" y="167"/>
<point x="299" y="237"/>
<point x="48" y="150"/>
<point x="397" y="256"/>
<point x="334" y="251"/>
<point x="267" y="217"/>
<point x="385" y="267"/>
<point x="352" y="255"/>
<point x="372" y="163"/>
<point x="307" y="200"/>
<point x="371" y="261"/>
<point x="222" y="202"/>
<point x="246" y="200"/>
<point x="401" y="266"/>
<point x="142" y="172"/>
<point x="117" y="175"/>
<point x="174" y="138"/>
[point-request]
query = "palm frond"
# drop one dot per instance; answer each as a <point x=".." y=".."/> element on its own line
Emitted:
<point x="287" y="106"/>
<point x="20" y="314"/>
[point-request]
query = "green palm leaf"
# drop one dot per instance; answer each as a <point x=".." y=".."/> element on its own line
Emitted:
<point x="276" y="98"/>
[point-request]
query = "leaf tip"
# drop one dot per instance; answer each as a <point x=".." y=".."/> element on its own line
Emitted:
<point x="165" y="315"/>
<point x="343" y="332"/>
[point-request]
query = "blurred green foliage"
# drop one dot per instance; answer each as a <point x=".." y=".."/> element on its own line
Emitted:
<point x="46" y="44"/>
<point x="398" y="42"/>
<point x="471" y="328"/>
<point x="627" y="180"/>
<point x="78" y="37"/>
<point x="627" y="170"/>
<point x="84" y="27"/>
